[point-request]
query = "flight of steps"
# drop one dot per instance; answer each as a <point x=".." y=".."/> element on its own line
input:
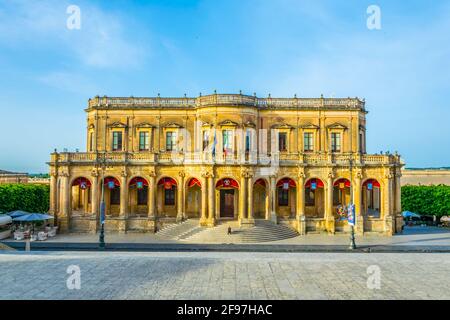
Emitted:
<point x="263" y="231"/>
<point x="178" y="231"/>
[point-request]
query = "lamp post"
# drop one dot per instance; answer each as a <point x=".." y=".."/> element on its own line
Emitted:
<point x="101" y="239"/>
<point x="351" y="210"/>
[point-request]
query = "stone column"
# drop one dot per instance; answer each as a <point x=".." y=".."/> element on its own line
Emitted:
<point x="180" y="198"/>
<point x="94" y="203"/>
<point x="356" y="185"/>
<point x="273" y="199"/>
<point x="398" y="203"/>
<point x="243" y="198"/>
<point x="151" y="217"/>
<point x="300" y="204"/>
<point x="204" y="218"/>
<point x="64" y="218"/>
<point x="94" y="195"/>
<point x="53" y="192"/>
<point x="329" y="216"/>
<point x="211" y="200"/>
<point x="123" y="203"/>
<point x="250" y="221"/>
<point x="151" y="196"/>
<point x="388" y="204"/>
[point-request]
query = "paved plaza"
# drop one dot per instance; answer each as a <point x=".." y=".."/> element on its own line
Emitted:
<point x="222" y="275"/>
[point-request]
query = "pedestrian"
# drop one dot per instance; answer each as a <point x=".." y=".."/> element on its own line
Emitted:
<point x="229" y="230"/>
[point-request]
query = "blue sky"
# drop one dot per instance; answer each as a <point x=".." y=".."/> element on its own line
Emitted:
<point x="140" y="48"/>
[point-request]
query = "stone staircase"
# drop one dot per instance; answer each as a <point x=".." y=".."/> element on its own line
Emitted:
<point x="263" y="231"/>
<point x="178" y="231"/>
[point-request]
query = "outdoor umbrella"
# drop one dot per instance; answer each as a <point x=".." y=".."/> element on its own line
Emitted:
<point x="409" y="214"/>
<point x="30" y="217"/>
<point x="17" y="213"/>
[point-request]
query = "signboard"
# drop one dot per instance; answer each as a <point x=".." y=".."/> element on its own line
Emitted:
<point x="111" y="184"/>
<point x="139" y="184"/>
<point x="313" y="185"/>
<point x="369" y="186"/>
<point x="285" y="185"/>
<point x="83" y="185"/>
<point x="226" y="182"/>
<point x="351" y="214"/>
<point x="341" y="185"/>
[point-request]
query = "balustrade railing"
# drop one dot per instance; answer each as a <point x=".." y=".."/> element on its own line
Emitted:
<point x="313" y="159"/>
<point x="224" y="99"/>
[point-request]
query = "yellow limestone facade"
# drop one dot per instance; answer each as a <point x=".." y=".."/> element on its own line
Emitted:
<point x="294" y="161"/>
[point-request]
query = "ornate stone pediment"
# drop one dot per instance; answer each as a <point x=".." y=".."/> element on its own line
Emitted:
<point x="282" y="126"/>
<point x="172" y="125"/>
<point x="309" y="125"/>
<point x="145" y="125"/>
<point x="207" y="125"/>
<point x="249" y="124"/>
<point x="228" y="123"/>
<point x="337" y="125"/>
<point x="117" y="124"/>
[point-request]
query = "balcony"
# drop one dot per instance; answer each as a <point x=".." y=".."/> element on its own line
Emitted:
<point x="179" y="158"/>
<point x="225" y="100"/>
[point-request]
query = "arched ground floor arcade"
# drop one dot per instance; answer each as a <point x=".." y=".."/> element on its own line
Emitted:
<point x="144" y="199"/>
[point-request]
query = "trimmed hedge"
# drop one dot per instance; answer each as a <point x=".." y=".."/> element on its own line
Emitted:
<point x="429" y="200"/>
<point x="27" y="197"/>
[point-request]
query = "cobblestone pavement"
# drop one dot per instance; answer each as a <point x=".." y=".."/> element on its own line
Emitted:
<point x="214" y="275"/>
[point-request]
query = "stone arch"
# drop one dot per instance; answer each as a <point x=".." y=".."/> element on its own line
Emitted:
<point x="371" y="198"/>
<point x="193" y="198"/>
<point x="111" y="186"/>
<point x="167" y="199"/>
<point x="80" y="196"/>
<point x="286" y="193"/>
<point x="138" y="193"/>
<point x="314" y="197"/>
<point x="261" y="194"/>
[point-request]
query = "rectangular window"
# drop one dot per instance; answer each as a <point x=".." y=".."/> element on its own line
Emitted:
<point x="171" y="140"/>
<point x="282" y="141"/>
<point x="117" y="141"/>
<point x="91" y="141"/>
<point x="205" y="140"/>
<point x="144" y="141"/>
<point x="283" y="197"/>
<point x="142" y="196"/>
<point x="335" y="142"/>
<point x="227" y="136"/>
<point x="169" y="197"/>
<point x="247" y="141"/>
<point x="308" y="144"/>
<point x="361" y="145"/>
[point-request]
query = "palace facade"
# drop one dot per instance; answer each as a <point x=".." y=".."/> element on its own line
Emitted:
<point x="220" y="157"/>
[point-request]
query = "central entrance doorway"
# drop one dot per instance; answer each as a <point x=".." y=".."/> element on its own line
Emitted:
<point x="227" y="203"/>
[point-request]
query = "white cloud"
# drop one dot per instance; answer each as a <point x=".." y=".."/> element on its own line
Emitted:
<point x="101" y="42"/>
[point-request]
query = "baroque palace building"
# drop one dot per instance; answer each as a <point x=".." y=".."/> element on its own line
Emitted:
<point x="293" y="161"/>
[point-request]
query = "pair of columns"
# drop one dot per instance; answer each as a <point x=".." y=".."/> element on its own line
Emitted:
<point x="246" y="199"/>
<point x="208" y="200"/>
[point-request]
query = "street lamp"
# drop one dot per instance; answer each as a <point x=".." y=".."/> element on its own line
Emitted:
<point x="351" y="211"/>
<point x="101" y="239"/>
